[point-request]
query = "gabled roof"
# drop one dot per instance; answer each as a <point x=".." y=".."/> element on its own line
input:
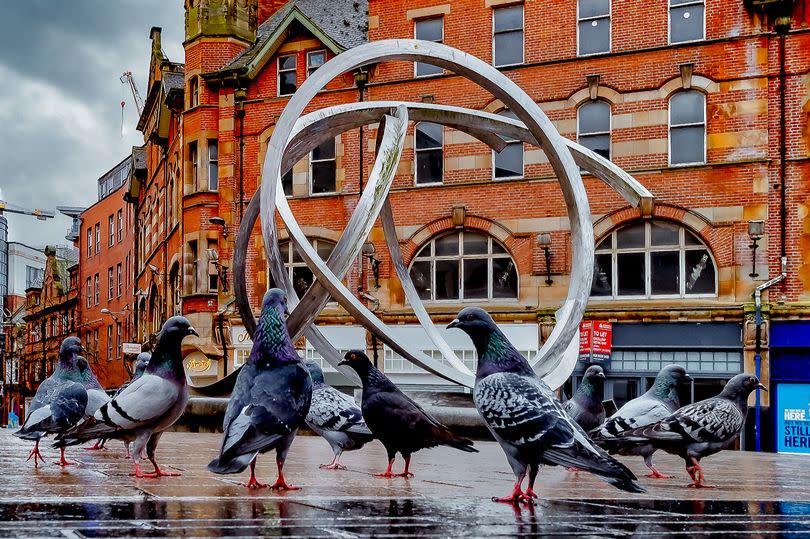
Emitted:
<point x="339" y="24"/>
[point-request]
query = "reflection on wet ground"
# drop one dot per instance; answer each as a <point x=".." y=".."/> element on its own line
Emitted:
<point x="449" y="497"/>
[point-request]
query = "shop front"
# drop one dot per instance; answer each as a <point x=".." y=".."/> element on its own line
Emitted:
<point x="790" y="385"/>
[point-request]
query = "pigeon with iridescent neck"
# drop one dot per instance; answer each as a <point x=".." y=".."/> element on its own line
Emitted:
<point x="524" y="415"/>
<point x="586" y="407"/>
<point x="148" y="406"/>
<point x="270" y="400"/>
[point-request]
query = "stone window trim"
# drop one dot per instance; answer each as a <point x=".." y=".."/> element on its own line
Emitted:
<point x="682" y="125"/>
<point x="594" y="20"/>
<point x="193" y="91"/>
<point x="600" y="132"/>
<point x="195" y="278"/>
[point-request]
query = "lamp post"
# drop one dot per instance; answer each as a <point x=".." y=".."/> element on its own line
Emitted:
<point x="544" y="242"/>
<point x="755" y="231"/>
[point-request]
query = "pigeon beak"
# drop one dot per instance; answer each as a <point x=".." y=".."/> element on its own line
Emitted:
<point x="192" y="331"/>
<point x="600" y="375"/>
<point x="762" y="387"/>
<point x="687" y="378"/>
<point x="344" y="362"/>
<point x="454" y="324"/>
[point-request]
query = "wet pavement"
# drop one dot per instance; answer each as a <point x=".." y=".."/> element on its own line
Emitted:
<point x="759" y="495"/>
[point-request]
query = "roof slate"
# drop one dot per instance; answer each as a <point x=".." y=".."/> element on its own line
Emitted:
<point x="172" y="81"/>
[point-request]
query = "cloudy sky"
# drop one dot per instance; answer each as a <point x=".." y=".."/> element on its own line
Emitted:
<point x="60" y="100"/>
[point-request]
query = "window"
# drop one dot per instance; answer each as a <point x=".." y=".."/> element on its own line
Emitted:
<point x="428" y="30"/>
<point x="593" y="127"/>
<point x="98" y="238"/>
<point x="193" y="92"/>
<point x="315" y="59"/>
<point x="300" y="275"/>
<point x="53" y="327"/>
<point x="508" y="163"/>
<point x="192" y="158"/>
<point x="464" y="265"/>
<point x="111" y="230"/>
<point x="33" y="276"/>
<point x="109" y="342"/>
<point x="120" y="225"/>
<point x="286" y="75"/>
<point x="287" y="183"/>
<point x="686" y="20"/>
<point x="507" y="38"/>
<point x="118" y="282"/>
<point x="322" y="168"/>
<point x="213" y="165"/>
<point x="213" y="269"/>
<point x="95" y="342"/>
<point x="89" y="292"/>
<point x="429" y="154"/>
<point x="195" y="278"/>
<point x="593" y="26"/>
<point x="118" y="339"/>
<point x="109" y="283"/>
<point x="96" y="289"/>
<point x="687" y="128"/>
<point x="653" y="259"/>
<point x="89" y="242"/>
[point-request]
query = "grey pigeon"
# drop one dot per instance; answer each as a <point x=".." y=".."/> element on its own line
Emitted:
<point x="700" y="429"/>
<point x="525" y="416"/>
<point x="398" y="422"/>
<point x="148" y="406"/>
<point x="586" y="407"/>
<point x="335" y="417"/>
<point x="270" y="400"/>
<point x="61" y="400"/>
<point x="660" y="401"/>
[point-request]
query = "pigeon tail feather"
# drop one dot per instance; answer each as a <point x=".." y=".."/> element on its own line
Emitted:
<point x="226" y="465"/>
<point x="601" y="465"/>
<point x="26" y="434"/>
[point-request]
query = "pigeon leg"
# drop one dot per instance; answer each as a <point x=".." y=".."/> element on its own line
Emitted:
<point x="517" y="495"/>
<point x="387" y="472"/>
<point x="697" y="476"/>
<point x="280" y="483"/>
<point x="150" y="454"/>
<point x="335" y="464"/>
<point x="253" y="483"/>
<point x="655" y="474"/>
<point x="35" y="454"/>
<point x="95" y="447"/>
<point x="126" y="446"/>
<point x="62" y="460"/>
<point x="406" y="473"/>
<point x="530" y="494"/>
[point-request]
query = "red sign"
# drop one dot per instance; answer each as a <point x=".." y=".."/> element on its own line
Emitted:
<point x="595" y="341"/>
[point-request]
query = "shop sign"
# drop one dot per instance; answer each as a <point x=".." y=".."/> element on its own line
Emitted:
<point x="793" y="418"/>
<point x="595" y="341"/>
<point x="131" y="348"/>
<point x="198" y="363"/>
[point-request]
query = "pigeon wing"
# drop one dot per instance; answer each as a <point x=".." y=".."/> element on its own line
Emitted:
<point x="638" y="412"/>
<point x="333" y="410"/>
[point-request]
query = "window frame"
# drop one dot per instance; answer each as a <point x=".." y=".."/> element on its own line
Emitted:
<point x="669" y="130"/>
<point x="311" y="176"/>
<point x="508" y="143"/>
<point x="279" y="71"/>
<point x="120" y="216"/>
<point x="213" y="164"/>
<point x="110" y="283"/>
<point x="89" y="242"/>
<point x="609" y="132"/>
<point x="522" y="31"/>
<point x="97" y="229"/>
<point x="489" y="256"/>
<point x="416" y="149"/>
<point x="681" y="249"/>
<point x="669" y="21"/>
<point x="290" y="263"/>
<point x="310" y="69"/>
<point x="119" y="283"/>
<point x="609" y="18"/>
<point x="194" y="92"/>
<point x="109" y="342"/>
<point x="111" y="234"/>
<point x="194" y="158"/>
<point x="416" y="74"/>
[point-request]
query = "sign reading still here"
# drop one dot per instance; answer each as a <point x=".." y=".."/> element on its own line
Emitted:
<point x="793" y="418"/>
<point x="595" y="341"/>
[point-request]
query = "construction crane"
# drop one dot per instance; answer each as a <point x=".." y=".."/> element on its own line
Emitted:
<point x="127" y="78"/>
<point x="11" y="208"/>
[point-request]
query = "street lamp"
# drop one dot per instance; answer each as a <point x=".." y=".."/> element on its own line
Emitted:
<point x="755" y="231"/>
<point x="544" y="242"/>
<point x="369" y="252"/>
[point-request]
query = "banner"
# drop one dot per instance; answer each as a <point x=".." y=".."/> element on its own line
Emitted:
<point x="793" y="418"/>
<point x="595" y="341"/>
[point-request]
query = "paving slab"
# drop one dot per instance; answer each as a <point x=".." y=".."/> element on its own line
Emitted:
<point x="758" y="495"/>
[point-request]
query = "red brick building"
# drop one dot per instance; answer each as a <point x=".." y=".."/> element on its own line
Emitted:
<point x="105" y="242"/>
<point x="705" y="102"/>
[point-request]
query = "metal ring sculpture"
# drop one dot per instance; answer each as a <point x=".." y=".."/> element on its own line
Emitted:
<point x="295" y="136"/>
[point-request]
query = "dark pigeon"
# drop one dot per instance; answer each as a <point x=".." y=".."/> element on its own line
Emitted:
<point x="335" y="417"/>
<point x="148" y="406"/>
<point x="586" y="407"/>
<point x="398" y="422"/>
<point x="659" y="402"/>
<point x="525" y="416"/>
<point x="61" y="400"/>
<point x="700" y="429"/>
<point x="270" y="400"/>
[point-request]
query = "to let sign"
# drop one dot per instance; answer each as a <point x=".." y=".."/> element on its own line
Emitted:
<point x="595" y="341"/>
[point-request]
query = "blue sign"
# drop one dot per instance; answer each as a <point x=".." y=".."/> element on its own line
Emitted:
<point x="793" y="418"/>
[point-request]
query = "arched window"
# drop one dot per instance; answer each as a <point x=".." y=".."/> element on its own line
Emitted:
<point x="653" y="259"/>
<point x="508" y="163"/>
<point x="464" y="265"/>
<point x="687" y="128"/>
<point x="593" y="127"/>
<point x="300" y="275"/>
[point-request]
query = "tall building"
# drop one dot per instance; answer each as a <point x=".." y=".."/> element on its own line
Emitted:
<point x="704" y="102"/>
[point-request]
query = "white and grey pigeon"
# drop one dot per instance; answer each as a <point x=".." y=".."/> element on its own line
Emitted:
<point x="148" y="406"/>
<point x="336" y="417"/>
<point x="270" y="400"/>
<point x="660" y="401"/>
<point x="700" y="429"/>
<point x="62" y="399"/>
<point x="586" y="407"/>
<point x="525" y="416"/>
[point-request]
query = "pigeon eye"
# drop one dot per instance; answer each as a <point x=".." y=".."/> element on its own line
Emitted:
<point x="470" y="317"/>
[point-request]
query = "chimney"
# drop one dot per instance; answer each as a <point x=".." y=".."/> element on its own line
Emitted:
<point x="268" y="7"/>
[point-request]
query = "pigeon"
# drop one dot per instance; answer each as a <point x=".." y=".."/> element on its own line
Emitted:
<point x="336" y="417"/>
<point x="658" y="402"/>
<point x="700" y="429"/>
<point x="61" y="400"/>
<point x="524" y="415"/>
<point x="586" y="407"/>
<point x="270" y="400"/>
<point x="397" y="421"/>
<point x="148" y="406"/>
